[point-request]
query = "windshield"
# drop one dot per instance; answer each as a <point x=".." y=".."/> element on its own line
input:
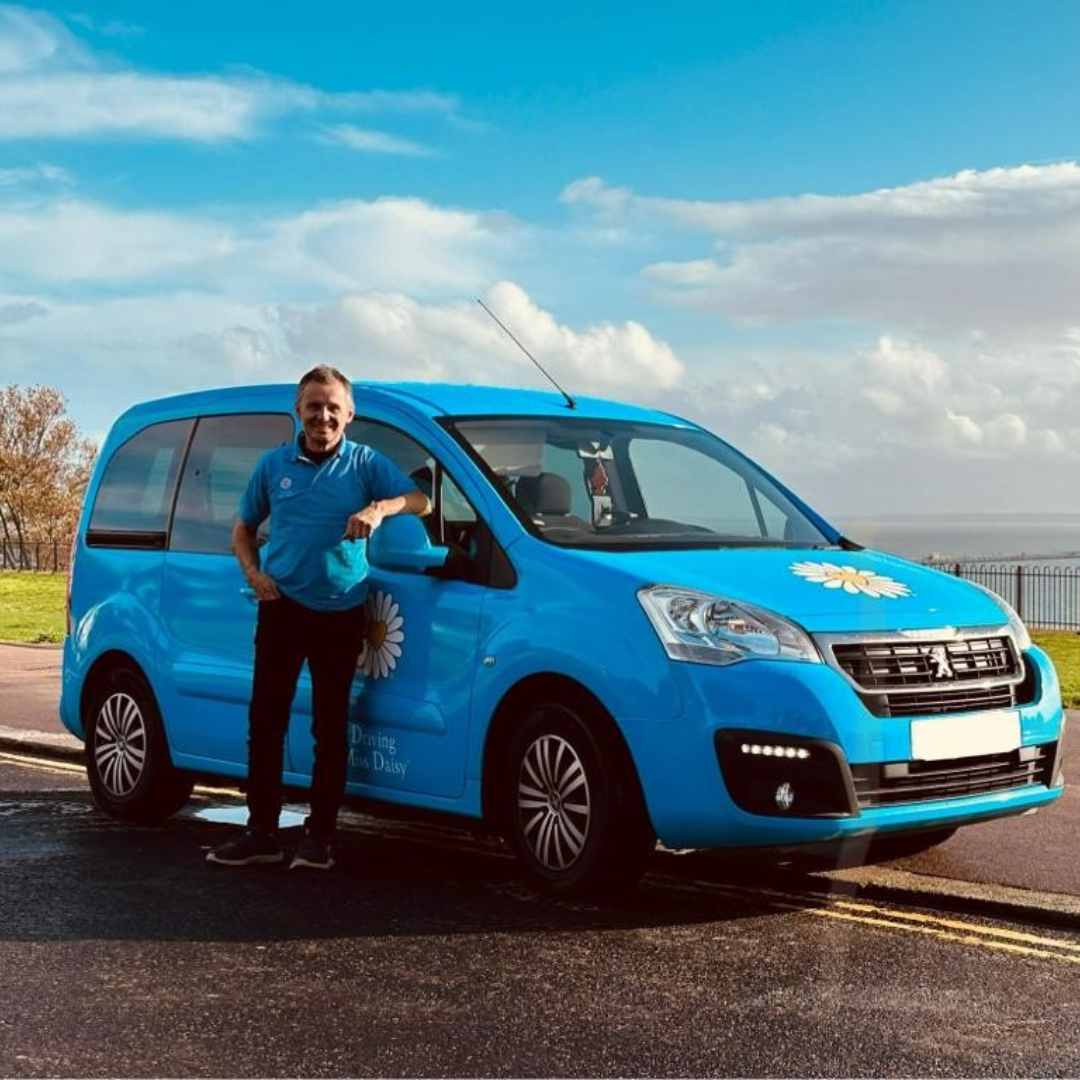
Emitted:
<point x="617" y="483"/>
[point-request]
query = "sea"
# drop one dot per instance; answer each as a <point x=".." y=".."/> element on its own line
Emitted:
<point x="1002" y="537"/>
<point x="1032" y="561"/>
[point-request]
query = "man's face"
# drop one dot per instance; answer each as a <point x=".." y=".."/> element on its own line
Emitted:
<point x="324" y="410"/>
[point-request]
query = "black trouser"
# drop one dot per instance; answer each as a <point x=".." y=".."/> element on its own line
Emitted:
<point x="287" y="634"/>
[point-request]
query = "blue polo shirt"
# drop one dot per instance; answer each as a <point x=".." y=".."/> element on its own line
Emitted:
<point x="308" y="504"/>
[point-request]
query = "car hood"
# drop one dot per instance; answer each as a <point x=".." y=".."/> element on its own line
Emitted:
<point x="824" y="590"/>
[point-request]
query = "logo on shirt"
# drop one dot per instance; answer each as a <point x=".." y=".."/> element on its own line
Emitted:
<point x="286" y="483"/>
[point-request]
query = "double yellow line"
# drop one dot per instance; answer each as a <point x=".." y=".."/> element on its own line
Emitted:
<point x="826" y="906"/>
<point x="47" y="764"/>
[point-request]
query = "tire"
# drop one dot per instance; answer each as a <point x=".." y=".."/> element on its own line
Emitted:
<point x="127" y="759"/>
<point x="908" y="844"/>
<point x="571" y="810"/>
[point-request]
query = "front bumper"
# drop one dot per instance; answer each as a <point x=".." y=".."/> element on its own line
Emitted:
<point x="705" y="788"/>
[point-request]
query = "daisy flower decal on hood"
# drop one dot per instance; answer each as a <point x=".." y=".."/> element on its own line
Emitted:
<point x="850" y="579"/>
<point x="384" y="635"/>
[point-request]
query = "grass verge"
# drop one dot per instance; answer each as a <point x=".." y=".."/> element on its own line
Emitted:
<point x="32" y="606"/>
<point x="32" y="609"/>
<point x="1064" y="649"/>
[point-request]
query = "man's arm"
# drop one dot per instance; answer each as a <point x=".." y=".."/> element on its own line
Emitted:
<point x="365" y="522"/>
<point x="245" y="542"/>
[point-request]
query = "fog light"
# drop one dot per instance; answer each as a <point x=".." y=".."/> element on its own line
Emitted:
<point x="769" y="750"/>
<point x="785" y="796"/>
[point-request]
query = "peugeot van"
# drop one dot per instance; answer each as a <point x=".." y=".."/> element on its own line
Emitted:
<point x="614" y="629"/>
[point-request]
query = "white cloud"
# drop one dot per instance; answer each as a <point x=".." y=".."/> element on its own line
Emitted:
<point x="998" y="249"/>
<point x="900" y="364"/>
<point x="144" y="347"/>
<point x="963" y="427"/>
<point x="900" y="424"/>
<point x="67" y="240"/>
<point x="34" y="41"/>
<point x="107" y="104"/>
<point x="31" y="178"/>
<point x="386" y="243"/>
<point x="394" y="336"/>
<point x="52" y="87"/>
<point x="377" y="142"/>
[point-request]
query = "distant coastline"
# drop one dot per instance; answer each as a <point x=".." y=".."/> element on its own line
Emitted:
<point x="1049" y="537"/>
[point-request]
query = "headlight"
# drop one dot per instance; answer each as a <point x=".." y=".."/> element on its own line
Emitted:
<point x="704" y="628"/>
<point x="1016" y="624"/>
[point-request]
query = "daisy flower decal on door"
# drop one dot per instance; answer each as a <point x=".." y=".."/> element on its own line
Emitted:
<point x="384" y="635"/>
<point x="851" y="580"/>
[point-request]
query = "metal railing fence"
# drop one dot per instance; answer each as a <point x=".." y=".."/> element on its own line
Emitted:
<point x="42" y="556"/>
<point x="1044" y="595"/>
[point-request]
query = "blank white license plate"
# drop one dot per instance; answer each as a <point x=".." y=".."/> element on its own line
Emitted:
<point x="968" y="735"/>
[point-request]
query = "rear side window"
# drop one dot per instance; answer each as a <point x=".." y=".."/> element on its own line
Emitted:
<point x="223" y="454"/>
<point x="135" y="496"/>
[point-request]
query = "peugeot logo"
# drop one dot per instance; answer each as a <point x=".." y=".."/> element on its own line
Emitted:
<point x="938" y="656"/>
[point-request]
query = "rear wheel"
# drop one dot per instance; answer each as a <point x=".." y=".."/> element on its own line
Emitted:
<point x="127" y="759"/>
<point x="573" y="814"/>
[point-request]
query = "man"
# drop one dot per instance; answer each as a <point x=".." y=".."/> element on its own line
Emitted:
<point x="324" y="495"/>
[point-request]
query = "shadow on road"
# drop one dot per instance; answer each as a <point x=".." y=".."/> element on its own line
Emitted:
<point x="70" y="873"/>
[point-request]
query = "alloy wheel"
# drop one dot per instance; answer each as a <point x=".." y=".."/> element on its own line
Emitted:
<point x="553" y="800"/>
<point x="120" y="744"/>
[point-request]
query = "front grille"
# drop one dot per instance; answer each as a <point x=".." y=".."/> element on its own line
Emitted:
<point x="890" y="664"/>
<point x="917" y="781"/>
<point x="897" y="676"/>
<point x="931" y="702"/>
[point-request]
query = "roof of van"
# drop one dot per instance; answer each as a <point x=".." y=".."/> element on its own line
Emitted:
<point x="472" y="399"/>
<point x="429" y="399"/>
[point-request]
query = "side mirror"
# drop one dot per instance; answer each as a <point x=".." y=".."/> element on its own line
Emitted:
<point x="401" y="543"/>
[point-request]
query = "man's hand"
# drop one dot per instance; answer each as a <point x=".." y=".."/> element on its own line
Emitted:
<point x="263" y="585"/>
<point x="364" y="522"/>
<point x="245" y="540"/>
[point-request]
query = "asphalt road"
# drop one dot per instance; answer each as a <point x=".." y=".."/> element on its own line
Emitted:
<point x="122" y="953"/>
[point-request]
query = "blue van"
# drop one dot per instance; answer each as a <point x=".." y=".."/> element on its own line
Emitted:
<point x="613" y="629"/>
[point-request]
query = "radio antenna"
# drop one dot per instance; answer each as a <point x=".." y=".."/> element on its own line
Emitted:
<point x="570" y="403"/>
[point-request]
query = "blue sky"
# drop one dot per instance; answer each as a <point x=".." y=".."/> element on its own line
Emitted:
<point x="844" y="235"/>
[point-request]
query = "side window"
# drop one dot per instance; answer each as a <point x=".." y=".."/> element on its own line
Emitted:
<point x="453" y="520"/>
<point x="223" y="453"/>
<point x="134" y="499"/>
<point x="455" y="515"/>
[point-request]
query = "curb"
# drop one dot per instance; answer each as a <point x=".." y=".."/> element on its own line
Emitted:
<point x="45" y="743"/>
<point x="960" y="897"/>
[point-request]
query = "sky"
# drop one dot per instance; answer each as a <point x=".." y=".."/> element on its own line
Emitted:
<point x="844" y="236"/>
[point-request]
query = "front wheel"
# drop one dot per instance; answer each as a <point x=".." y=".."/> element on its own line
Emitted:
<point x="573" y="812"/>
<point x="127" y="760"/>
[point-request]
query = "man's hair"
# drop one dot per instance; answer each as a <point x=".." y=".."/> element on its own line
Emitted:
<point x="323" y="373"/>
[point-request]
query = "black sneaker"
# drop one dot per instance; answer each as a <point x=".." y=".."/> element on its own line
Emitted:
<point x="313" y="853"/>
<point x="251" y="846"/>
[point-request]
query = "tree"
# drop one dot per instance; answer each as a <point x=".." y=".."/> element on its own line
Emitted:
<point x="44" y="465"/>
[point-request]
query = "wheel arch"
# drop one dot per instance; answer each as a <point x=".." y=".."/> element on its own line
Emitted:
<point x="109" y="661"/>
<point x="556" y="689"/>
